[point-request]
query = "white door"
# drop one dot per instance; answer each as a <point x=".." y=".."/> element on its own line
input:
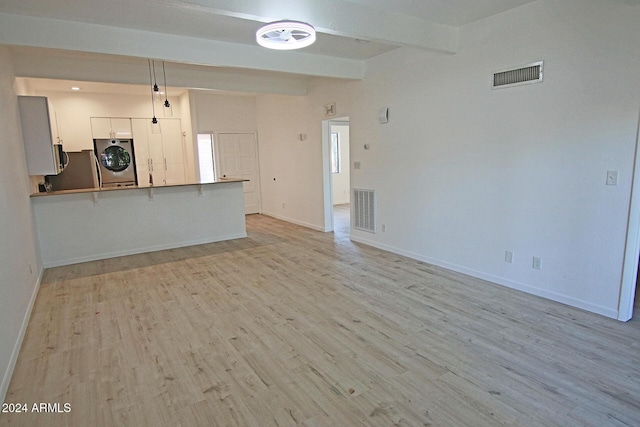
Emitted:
<point x="237" y="155"/>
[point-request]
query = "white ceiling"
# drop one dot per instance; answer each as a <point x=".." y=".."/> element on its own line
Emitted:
<point x="217" y="20"/>
<point x="221" y="33"/>
<point x="340" y="28"/>
<point x="449" y="12"/>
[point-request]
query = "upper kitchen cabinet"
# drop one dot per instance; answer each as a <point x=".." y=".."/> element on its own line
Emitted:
<point x="43" y="156"/>
<point x="110" y="127"/>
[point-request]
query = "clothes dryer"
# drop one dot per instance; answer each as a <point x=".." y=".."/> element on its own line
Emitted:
<point x="117" y="162"/>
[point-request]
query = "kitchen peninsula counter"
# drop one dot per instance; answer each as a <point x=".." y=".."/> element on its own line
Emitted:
<point x="97" y="223"/>
<point x="132" y="187"/>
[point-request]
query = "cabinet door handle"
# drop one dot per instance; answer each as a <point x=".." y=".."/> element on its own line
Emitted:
<point x="165" y="163"/>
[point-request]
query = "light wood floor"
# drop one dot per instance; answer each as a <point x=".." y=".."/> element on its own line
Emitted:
<point x="296" y="327"/>
<point x="342" y="218"/>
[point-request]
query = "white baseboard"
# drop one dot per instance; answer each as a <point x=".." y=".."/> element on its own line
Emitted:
<point x="6" y="379"/>
<point x="554" y="296"/>
<point x="115" y="254"/>
<point x="295" y="221"/>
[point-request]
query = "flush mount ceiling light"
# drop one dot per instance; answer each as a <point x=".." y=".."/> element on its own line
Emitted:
<point x="286" y="35"/>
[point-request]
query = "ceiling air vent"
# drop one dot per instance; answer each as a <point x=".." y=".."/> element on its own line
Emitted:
<point x="528" y="74"/>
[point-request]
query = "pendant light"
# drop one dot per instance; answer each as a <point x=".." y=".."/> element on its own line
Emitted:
<point x="155" y="126"/>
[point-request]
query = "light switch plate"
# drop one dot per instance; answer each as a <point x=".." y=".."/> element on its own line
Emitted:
<point x="508" y="257"/>
<point x="356" y="165"/>
<point x="612" y="177"/>
<point x="536" y="262"/>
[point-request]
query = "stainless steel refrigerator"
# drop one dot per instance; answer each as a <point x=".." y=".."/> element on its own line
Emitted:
<point x="81" y="172"/>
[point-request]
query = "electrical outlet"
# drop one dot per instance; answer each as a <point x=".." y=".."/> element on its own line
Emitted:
<point x="536" y="262"/>
<point x="508" y="257"/>
<point x="356" y="165"/>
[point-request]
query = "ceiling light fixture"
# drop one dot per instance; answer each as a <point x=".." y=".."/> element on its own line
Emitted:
<point x="76" y="88"/>
<point x="286" y="35"/>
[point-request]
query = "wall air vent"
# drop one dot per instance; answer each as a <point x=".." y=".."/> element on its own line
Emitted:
<point x="364" y="210"/>
<point x="528" y="74"/>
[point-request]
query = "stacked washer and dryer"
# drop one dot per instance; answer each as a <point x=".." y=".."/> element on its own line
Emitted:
<point x="116" y="162"/>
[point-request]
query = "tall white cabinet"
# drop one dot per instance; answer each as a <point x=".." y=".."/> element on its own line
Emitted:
<point x="160" y="157"/>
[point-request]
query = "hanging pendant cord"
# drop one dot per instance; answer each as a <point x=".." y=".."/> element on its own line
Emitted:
<point x="155" y="80"/>
<point x="166" y="93"/>
<point x="153" y="107"/>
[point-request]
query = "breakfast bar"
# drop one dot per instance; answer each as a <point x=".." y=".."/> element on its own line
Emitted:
<point x="81" y="225"/>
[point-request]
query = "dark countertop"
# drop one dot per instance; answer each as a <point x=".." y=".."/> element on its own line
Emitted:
<point x="133" y="187"/>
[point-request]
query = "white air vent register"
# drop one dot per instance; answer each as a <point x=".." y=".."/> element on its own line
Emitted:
<point x="364" y="212"/>
<point x="528" y="74"/>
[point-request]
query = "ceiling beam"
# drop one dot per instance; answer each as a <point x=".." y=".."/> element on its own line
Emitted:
<point x="64" y="65"/>
<point x="22" y="30"/>
<point x="336" y="17"/>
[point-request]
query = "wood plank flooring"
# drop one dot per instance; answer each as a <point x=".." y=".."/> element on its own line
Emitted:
<point x="293" y="327"/>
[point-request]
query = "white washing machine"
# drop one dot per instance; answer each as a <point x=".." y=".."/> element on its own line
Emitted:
<point x="116" y="161"/>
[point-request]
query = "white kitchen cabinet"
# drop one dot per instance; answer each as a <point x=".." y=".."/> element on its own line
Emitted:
<point x="159" y="156"/>
<point x="141" y="151"/>
<point x="173" y="150"/>
<point x="110" y="127"/>
<point x="43" y="156"/>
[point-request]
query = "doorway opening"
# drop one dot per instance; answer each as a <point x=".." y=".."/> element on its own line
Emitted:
<point x="337" y="173"/>
<point x="206" y="160"/>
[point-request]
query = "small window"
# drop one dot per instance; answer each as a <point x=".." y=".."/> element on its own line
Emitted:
<point x="335" y="152"/>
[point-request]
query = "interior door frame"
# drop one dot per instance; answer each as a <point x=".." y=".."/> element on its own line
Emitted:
<point x="632" y="245"/>
<point x="327" y="181"/>
<point x="216" y="154"/>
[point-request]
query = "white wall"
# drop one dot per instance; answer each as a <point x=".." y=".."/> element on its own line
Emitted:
<point x="290" y="169"/>
<point x="216" y="112"/>
<point x="20" y="266"/>
<point x="463" y="172"/>
<point x="340" y="181"/>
